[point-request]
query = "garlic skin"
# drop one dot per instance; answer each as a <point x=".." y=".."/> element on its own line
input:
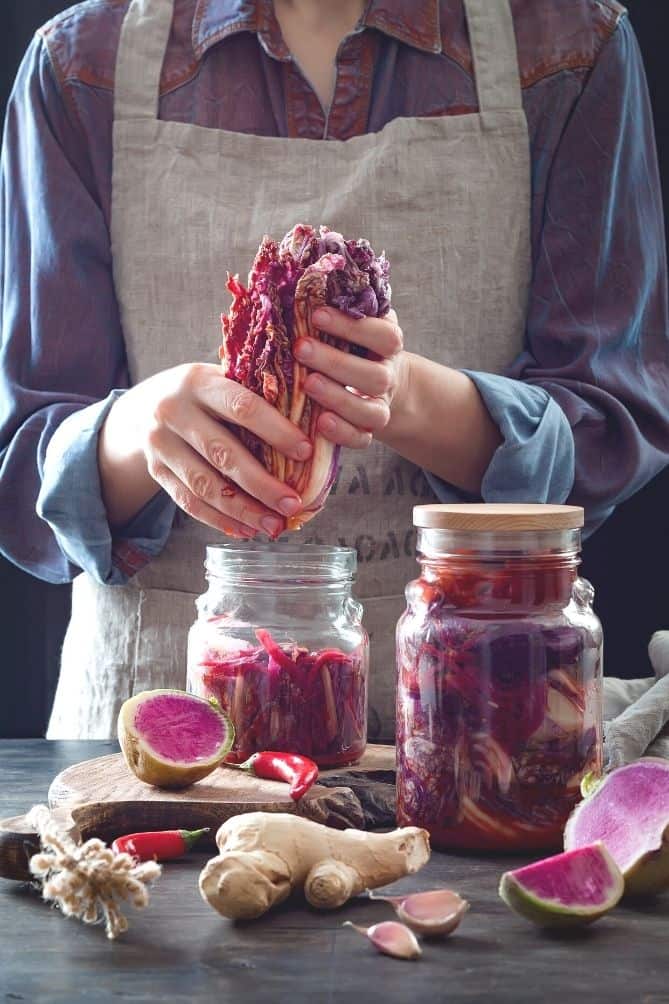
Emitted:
<point x="435" y="913"/>
<point x="390" y="938"/>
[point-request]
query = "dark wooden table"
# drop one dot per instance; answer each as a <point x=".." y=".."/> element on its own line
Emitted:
<point x="179" y="949"/>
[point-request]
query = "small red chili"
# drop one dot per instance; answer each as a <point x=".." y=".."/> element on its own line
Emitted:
<point x="299" y="771"/>
<point x="161" y="845"/>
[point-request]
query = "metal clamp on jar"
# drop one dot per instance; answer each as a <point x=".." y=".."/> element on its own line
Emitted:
<point x="279" y="643"/>
<point x="499" y="677"/>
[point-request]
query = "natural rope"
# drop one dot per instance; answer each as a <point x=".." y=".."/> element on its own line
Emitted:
<point x="87" y="880"/>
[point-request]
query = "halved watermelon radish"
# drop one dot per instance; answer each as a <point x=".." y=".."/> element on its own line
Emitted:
<point x="567" y="890"/>
<point x="171" y="739"/>
<point x="629" y="812"/>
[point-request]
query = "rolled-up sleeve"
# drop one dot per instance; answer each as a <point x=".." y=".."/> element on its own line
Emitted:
<point x="62" y="347"/>
<point x="584" y="409"/>
<point x="70" y="501"/>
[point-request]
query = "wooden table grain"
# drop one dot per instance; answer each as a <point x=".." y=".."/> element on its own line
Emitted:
<point x="180" y="950"/>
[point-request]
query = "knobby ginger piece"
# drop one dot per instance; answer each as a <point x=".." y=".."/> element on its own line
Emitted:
<point x="265" y="856"/>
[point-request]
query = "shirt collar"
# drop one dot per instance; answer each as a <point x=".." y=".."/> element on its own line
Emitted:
<point x="415" y="22"/>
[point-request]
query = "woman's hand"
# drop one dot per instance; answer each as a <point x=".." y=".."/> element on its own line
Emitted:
<point x="426" y="412"/>
<point x="358" y="394"/>
<point x="168" y="430"/>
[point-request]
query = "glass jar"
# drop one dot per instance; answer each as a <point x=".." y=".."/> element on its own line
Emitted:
<point x="499" y="704"/>
<point x="280" y="644"/>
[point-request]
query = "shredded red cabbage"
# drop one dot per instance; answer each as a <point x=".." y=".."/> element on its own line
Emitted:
<point x="498" y="717"/>
<point x="287" y="283"/>
<point x="288" y="698"/>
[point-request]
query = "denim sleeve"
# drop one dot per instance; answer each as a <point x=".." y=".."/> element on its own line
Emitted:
<point x="535" y="461"/>
<point x="70" y="501"/>
<point x="62" y="349"/>
<point x="584" y="409"/>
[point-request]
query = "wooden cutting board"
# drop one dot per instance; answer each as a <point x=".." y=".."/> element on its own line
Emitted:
<point x="102" y="798"/>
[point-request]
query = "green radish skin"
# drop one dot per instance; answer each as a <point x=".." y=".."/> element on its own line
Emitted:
<point x="650" y="874"/>
<point x="553" y="914"/>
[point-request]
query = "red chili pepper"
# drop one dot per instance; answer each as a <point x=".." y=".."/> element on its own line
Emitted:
<point x="158" y="846"/>
<point x="299" y="771"/>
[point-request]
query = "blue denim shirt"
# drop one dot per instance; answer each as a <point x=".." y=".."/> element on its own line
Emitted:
<point x="583" y="410"/>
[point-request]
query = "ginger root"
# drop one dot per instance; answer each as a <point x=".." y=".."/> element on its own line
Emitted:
<point x="265" y="856"/>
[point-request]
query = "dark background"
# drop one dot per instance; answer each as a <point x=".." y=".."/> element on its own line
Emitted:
<point x="627" y="560"/>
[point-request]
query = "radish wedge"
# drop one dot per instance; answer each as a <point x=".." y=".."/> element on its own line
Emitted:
<point x="568" y="890"/>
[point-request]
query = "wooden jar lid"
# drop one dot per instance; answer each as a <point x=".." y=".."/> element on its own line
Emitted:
<point x="510" y="517"/>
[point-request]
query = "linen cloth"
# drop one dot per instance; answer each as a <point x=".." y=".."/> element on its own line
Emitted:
<point x="636" y="712"/>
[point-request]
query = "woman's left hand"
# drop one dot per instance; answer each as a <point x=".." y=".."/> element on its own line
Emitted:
<point x="357" y="394"/>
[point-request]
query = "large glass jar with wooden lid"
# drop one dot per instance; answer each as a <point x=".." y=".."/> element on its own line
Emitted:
<point x="499" y="677"/>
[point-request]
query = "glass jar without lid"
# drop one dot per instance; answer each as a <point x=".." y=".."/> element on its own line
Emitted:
<point x="499" y="677"/>
<point x="279" y="643"/>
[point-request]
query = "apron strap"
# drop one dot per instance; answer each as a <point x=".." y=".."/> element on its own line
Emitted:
<point x="139" y="61"/>
<point x="494" y="54"/>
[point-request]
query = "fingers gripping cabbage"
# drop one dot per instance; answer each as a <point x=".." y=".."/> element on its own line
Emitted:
<point x="288" y="282"/>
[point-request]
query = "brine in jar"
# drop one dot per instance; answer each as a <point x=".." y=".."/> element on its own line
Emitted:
<point x="499" y="710"/>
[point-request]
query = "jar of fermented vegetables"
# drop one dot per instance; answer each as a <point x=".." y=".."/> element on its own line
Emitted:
<point x="280" y="644"/>
<point x="499" y="705"/>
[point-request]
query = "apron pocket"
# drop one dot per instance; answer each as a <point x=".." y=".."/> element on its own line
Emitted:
<point x="164" y="619"/>
<point x="120" y="640"/>
<point x="380" y="620"/>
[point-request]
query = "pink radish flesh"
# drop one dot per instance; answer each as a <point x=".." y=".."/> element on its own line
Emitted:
<point x="629" y="813"/>
<point x="179" y="728"/>
<point x="577" y="877"/>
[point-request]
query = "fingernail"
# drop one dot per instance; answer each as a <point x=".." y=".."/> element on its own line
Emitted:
<point x="290" y="506"/>
<point x="328" y="424"/>
<point x="303" y="349"/>
<point x="271" y="526"/>
<point x="303" y="451"/>
<point x="322" y="316"/>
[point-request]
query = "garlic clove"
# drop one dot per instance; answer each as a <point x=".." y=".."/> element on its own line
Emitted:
<point x="432" y="913"/>
<point x="390" y="938"/>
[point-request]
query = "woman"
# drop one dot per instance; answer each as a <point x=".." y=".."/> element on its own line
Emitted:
<point x="501" y="152"/>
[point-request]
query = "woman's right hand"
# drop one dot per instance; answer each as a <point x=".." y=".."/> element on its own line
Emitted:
<point x="168" y="430"/>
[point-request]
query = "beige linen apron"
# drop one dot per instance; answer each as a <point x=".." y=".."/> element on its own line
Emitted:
<point x="448" y="198"/>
